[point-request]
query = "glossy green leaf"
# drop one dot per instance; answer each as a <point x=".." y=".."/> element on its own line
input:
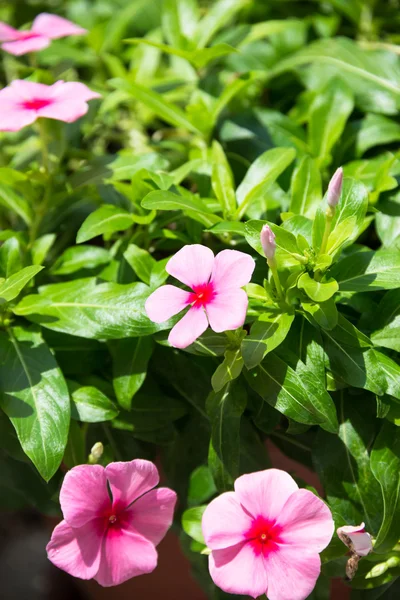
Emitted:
<point x="222" y="180"/>
<point x="11" y="287"/>
<point x="306" y="188"/>
<point x="82" y="308"/>
<point x="90" y="405"/>
<point x="141" y="262"/>
<point x="16" y="203"/>
<point x="194" y="208"/>
<point x="191" y="523"/>
<point x="228" y="370"/>
<point x="318" y="291"/>
<point x="287" y="250"/>
<point x="368" y="271"/>
<point x="105" y="220"/>
<point x="387" y="333"/>
<point x="324" y="313"/>
<point x="35" y="397"/>
<point x="199" y="58"/>
<point x="130" y="359"/>
<point x="265" y="335"/>
<point x="10" y="257"/>
<point x="41" y="247"/>
<point x="76" y="258"/>
<point x="376" y="130"/>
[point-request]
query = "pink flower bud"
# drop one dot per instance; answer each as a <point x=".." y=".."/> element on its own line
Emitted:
<point x="356" y="538"/>
<point x="335" y="187"/>
<point x="268" y="244"/>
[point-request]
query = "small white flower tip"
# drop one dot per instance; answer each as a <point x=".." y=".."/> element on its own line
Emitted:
<point x="356" y="538"/>
<point x="335" y="188"/>
<point x="268" y="244"/>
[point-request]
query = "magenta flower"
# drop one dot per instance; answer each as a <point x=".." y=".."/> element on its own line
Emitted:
<point x="44" y="29"/>
<point x="22" y="102"/>
<point x="356" y="538"/>
<point x="265" y="537"/>
<point x="111" y="540"/>
<point x="216" y="297"/>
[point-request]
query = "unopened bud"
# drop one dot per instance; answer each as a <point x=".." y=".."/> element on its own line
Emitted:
<point x="268" y="244"/>
<point x="356" y="539"/>
<point x="335" y="188"/>
<point x="96" y="453"/>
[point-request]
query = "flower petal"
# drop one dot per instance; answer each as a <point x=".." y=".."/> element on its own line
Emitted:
<point x="124" y="555"/>
<point x="20" y="47"/>
<point x="77" y="551"/>
<point x="55" y="27"/>
<point x="14" y="119"/>
<point x="72" y="91"/>
<point x="130" y="480"/>
<point x="227" y="310"/>
<point x="264" y="493"/>
<point x="292" y="575"/>
<point x="238" y="570"/>
<point x="84" y="495"/>
<point x="359" y="538"/>
<point x="306" y="522"/>
<point x="225" y="522"/>
<point x="189" y="328"/>
<point x="192" y="265"/>
<point x="166" y="302"/>
<point x="8" y="33"/>
<point x="232" y="269"/>
<point x="153" y="513"/>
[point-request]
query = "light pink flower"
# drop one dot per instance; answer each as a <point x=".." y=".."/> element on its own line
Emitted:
<point x="44" y="29"/>
<point x="268" y="243"/>
<point x="335" y="188"/>
<point x="111" y="540"/>
<point x="356" y="538"/>
<point x="266" y="537"/>
<point x="216" y="297"/>
<point x="22" y="102"/>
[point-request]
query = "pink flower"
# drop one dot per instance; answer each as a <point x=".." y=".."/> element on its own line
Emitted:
<point x="265" y="537"/>
<point x="356" y="538"/>
<point x="215" y="299"/>
<point x="268" y="243"/>
<point x="44" y="29"/>
<point x="335" y="188"/>
<point x="111" y="540"/>
<point x="22" y="102"/>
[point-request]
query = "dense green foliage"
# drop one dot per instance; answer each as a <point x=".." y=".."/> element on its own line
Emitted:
<point x="215" y="118"/>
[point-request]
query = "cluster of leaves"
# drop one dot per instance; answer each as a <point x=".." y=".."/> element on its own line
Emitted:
<point x="216" y="118"/>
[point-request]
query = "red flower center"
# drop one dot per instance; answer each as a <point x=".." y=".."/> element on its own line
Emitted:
<point x="263" y="536"/>
<point x="36" y="103"/>
<point x="27" y="35"/>
<point x="202" y="294"/>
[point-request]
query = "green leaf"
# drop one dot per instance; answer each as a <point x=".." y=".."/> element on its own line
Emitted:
<point x="225" y="410"/>
<point x="157" y="103"/>
<point x="329" y="113"/>
<point x="34" y="395"/>
<point x="324" y="313"/>
<point x="90" y="405"/>
<point x="179" y="20"/>
<point x="387" y="333"/>
<point x="222" y="180"/>
<point x="191" y="523"/>
<point x="298" y="395"/>
<point x="105" y="220"/>
<point x="10" y="257"/>
<point x="194" y="208"/>
<point x="150" y="411"/>
<point x="368" y="271"/>
<point x="220" y="13"/>
<point x="318" y="291"/>
<point x="141" y="262"/>
<point x="201" y="486"/>
<point x="343" y="464"/>
<point x="228" y="370"/>
<point x="16" y="203"/>
<point x="76" y="258"/>
<point x="11" y="287"/>
<point x="82" y="308"/>
<point x="287" y="250"/>
<point x="261" y="175"/>
<point x="41" y="247"/>
<point x="199" y="58"/>
<point x="75" y="452"/>
<point x="265" y="335"/>
<point x="374" y="131"/>
<point x="306" y="188"/>
<point x="130" y="359"/>
<point x="385" y="465"/>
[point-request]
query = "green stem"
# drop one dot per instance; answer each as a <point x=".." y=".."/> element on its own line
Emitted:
<point x="328" y="224"/>
<point x="43" y="143"/>
<point x="272" y="265"/>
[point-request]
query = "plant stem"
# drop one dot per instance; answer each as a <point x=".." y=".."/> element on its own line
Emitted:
<point x="328" y="224"/>
<point x="272" y="265"/>
<point x="43" y="143"/>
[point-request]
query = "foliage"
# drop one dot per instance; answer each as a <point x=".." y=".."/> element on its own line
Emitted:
<point x="215" y="119"/>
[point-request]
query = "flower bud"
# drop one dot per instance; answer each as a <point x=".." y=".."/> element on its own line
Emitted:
<point x="96" y="453"/>
<point x="356" y="538"/>
<point x="267" y="237"/>
<point x="335" y="188"/>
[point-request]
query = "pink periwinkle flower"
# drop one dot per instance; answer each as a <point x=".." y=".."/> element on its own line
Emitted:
<point x="356" y="538"/>
<point x="265" y="537"/>
<point x="22" y="102"/>
<point x="335" y="188"/>
<point x="44" y="29"/>
<point x="268" y="243"/>
<point x="111" y="540"/>
<point x="216" y="297"/>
